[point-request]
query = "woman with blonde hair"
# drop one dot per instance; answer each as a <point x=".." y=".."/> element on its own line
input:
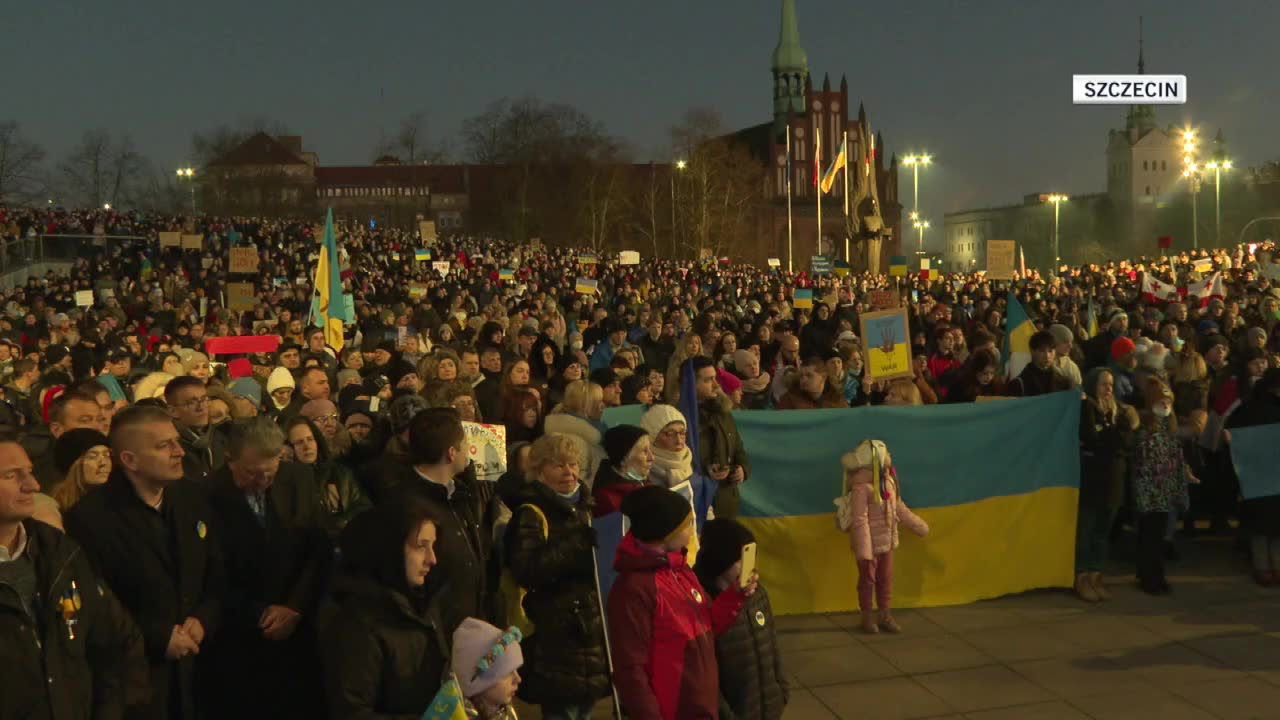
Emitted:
<point x="902" y="391"/>
<point x="83" y="457"/>
<point x="688" y="346"/>
<point x="578" y="416"/>
<point x="151" y="386"/>
<point x="1190" y="380"/>
<point x="196" y="364"/>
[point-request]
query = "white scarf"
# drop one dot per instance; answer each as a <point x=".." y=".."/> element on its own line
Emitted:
<point x="671" y="468"/>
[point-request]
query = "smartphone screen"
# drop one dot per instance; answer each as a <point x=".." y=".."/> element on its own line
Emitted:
<point x="915" y="296"/>
<point x="748" y="564"/>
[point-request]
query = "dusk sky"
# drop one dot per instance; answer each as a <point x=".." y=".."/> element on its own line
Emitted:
<point x="984" y="86"/>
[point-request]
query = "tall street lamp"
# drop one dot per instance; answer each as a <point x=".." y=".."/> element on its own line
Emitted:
<point x="915" y="162"/>
<point x="921" y="225"/>
<point x="189" y="174"/>
<point x="1057" y="199"/>
<point x="1217" y="166"/>
<point x="680" y="165"/>
<point x="1191" y="171"/>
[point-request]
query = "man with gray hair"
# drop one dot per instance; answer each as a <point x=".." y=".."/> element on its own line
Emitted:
<point x="278" y="556"/>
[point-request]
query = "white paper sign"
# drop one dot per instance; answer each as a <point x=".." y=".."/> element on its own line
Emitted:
<point x="487" y="448"/>
<point x="628" y="257"/>
<point x="84" y="298"/>
<point x="441" y="266"/>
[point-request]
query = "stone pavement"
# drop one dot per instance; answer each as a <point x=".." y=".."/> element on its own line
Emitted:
<point x="1211" y="650"/>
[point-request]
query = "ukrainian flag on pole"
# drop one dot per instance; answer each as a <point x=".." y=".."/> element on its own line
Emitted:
<point x="1092" y="322"/>
<point x="329" y="311"/>
<point x="1017" y="337"/>
<point x="841" y="162"/>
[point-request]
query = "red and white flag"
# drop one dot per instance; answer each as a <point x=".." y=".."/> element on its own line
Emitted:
<point x="1207" y="289"/>
<point x="1153" y="290"/>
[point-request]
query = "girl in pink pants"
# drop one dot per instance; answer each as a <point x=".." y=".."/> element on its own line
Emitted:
<point x="870" y="512"/>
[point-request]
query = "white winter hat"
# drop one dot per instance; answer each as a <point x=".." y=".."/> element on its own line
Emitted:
<point x="862" y="456"/>
<point x="660" y="416"/>
<point x="483" y="655"/>
<point x="280" y="378"/>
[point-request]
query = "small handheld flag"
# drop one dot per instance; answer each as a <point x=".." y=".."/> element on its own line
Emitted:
<point x="803" y="299"/>
<point x="506" y="274"/>
<point x="422" y="255"/>
<point x="898" y="266"/>
<point x="448" y="703"/>
<point x="587" y="286"/>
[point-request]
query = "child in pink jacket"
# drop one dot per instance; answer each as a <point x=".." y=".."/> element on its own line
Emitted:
<point x="870" y="512"/>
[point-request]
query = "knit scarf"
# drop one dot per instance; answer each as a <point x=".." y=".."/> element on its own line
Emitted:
<point x="757" y="384"/>
<point x="671" y="468"/>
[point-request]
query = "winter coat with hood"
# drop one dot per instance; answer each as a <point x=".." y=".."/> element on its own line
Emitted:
<point x="663" y="625"/>
<point x="752" y="684"/>
<point x="875" y="524"/>
<point x="587" y="435"/>
<point x="385" y="652"/>
<point x="565" y="658"/>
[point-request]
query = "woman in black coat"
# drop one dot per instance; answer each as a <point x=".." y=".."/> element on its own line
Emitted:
<point x="385" y="653"/>
<point x="549" y="545"/>
<point x="1106" y="439"/>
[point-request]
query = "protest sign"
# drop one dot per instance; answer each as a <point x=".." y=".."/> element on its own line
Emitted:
<point x="418" y="290"/>
<point x="1203" y="265"/>
<point x="240" y="296"/>
<point x="586" y="286"/>
<point x="775" y="262"/>
<point x="1255" y="454"/>
<point x="587" y="259"/>
<point x="628" y="257"/>
<point x="422" y="255"/>
<point x="244" y="260"/>
<point x="84" y="298"/>
<point x="487" y="449"/>
<point x="192" y="242"/>
<point x="887" y="343"/>
<point x="820" y="264"/>
<point x="427" y="231"/>
<point x="802" y="299"/>
<point x="1000" y="260"/>
<point x="882" y="299"/>
<point x="441" y="266"/>
<point x="170" y="239"/>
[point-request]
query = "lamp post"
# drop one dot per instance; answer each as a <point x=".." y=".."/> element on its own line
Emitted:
<point x="1191" y="171"/>
<point x="915" y="162"/>
<point x="1217" y="166"/>
<point x="680" y="165"/>
<point x="921" y="225"/>
<point x="190" y="174"/>
<point x="1057" y="199"/>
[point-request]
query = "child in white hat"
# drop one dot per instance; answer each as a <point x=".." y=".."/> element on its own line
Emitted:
<point x="486" y="661"/>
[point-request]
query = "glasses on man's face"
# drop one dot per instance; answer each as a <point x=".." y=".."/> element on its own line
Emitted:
<point x="329" y="419"/>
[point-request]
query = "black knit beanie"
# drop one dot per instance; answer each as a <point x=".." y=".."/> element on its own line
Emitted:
<point x="619" y="440"/>
<point x="719" y="547"/>
<point x="73" y="444"/>
<point x="655" y="512"/>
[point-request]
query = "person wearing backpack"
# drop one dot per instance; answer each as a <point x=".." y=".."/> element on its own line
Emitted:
<point x="549" y="549"/>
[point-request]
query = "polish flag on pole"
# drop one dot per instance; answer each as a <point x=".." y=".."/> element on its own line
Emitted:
<point x="1153" y="290"/>
<point x="1207" y="289"/>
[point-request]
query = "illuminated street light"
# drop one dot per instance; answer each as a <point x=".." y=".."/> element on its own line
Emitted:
<point x="189" y="174"/>
<point x="1217" y="166"/>
<point x="915" y="162"/>
<point x="921" y="225"/>
<point x="106" y="206"/>
<point x="1057" y="199"/>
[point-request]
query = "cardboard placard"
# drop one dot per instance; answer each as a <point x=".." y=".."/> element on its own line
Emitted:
<point x="882" y="299"/>
<point x="775" y="262"/>
<point x="244" y="260"/>
<point x="628" y="257"/>
<point x="441" y="266"/>
<point x="886" y="341"/>
<point x="1000" y="259"/>
<point x="586" y="259"/>
<point x="418" y="290"/>
<point x="170" y="239"/>
<point x="427" y="231"/>
<point x="192" y="242"/>
<point x="820" y="264"/>
<point x="84" y="298"/>
<point x="240" y="296"/>
<point x="487" y="449"/>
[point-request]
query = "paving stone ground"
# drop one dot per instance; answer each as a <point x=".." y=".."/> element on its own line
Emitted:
<point x="1211" y="650"/>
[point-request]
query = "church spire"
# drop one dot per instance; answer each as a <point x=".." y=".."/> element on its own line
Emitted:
<point x="1141" y="118"/>
<point x="790" y="67"/>
<point x="1142" y="66"/>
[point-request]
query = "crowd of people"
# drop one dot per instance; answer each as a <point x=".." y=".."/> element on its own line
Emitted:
<point x="300" y="532"/>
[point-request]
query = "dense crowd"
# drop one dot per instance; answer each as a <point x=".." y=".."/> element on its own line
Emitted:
<point x="301" y="532"/>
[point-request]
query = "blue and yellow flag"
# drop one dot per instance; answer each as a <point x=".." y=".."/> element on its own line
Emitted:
<point x="802" y="299"/>
<point x="898" y="266"/>
<point x="328" y="309"/>
<point x="1091" y="323"/>
<point x="586" y="286"/>
<point x="422" y="255"/>
<point x="448" y="703"/>
<point x="1017" y="337"/>
<point x="506" y="274"/>
<point x="841" y="162"/>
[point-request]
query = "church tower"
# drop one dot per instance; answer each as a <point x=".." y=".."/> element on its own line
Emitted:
<point x="790" y="69"/>
<point x="1141" y="118"/>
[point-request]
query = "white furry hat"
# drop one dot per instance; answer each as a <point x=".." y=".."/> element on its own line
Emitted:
<point x="864" y="455"/>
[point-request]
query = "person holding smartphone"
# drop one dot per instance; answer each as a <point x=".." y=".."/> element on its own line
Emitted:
<point x="720" y="447"/>
<point x="752" y="684"/>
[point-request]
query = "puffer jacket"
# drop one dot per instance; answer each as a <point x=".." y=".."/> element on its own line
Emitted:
<point x="565" y="658"/>
<point x="663" y="625"/>
<point x="875" y="525"/>
<point x="752" y="685"/>
<point x="382" y="658"/>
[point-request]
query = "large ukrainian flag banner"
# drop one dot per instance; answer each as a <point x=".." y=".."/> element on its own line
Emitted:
<point x="997" y="482"/>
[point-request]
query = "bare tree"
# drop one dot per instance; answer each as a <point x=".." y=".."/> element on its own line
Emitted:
<point x="718" y="191"/>
<point x="20" y="161"/>
<point x="102" y="169"/>
<point x="412" y="143"/>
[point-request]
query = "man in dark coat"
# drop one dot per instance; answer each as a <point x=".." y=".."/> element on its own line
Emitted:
<point x="67" y="648"/>
<point x="720" y="449"/>
<point x="205" y="450"/>
<point x="263" y="658"/>
<point x="149" y="533"/>
<point x="466" y="508"/>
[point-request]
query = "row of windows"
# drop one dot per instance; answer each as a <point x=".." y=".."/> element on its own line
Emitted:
<point x="965" y="231"/>
<point x="1117" y="170"/>
<point x="962" y="247"/>
<point x="375" y="192"/>
<point x="1153" y="165"/>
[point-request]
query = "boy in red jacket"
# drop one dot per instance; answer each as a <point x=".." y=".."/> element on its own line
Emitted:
<point x="662" y="623"/>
